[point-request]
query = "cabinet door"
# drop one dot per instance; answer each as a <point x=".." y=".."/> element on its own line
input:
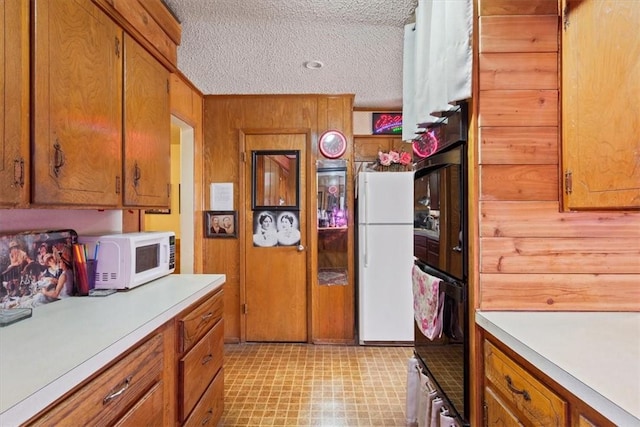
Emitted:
<point x="77" y="141"/>
<point x="366" y="147"/>
<point x="601" y="113"/>
<point x="147" y="122"/>
<point x="497" y="413"/>
<point x="14" y="102"/>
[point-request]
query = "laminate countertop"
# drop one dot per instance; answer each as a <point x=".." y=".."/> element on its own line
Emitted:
<point x="67" y="341"/>
<point x="594" y="355"/>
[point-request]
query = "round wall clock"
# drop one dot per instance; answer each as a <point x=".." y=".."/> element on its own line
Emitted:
<point x="332" y="144"/>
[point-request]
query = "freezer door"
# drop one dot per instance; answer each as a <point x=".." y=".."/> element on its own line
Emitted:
<point x="385" y="302"/>
<point x="385" y="198"/>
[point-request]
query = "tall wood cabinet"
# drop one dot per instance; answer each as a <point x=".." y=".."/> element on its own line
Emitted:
<point x="14" y="102"/>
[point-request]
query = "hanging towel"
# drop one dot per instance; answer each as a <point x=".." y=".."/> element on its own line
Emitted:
<point x="447" y="420"/>
<point x="436" y="406"/>
<point x="424" y="400"/>
<point x="428" y="303"/>
<point x="413" y="391"/>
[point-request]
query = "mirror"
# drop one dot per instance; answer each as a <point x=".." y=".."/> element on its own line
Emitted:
<point x="333" y="262"/>
<point x="275" y="180"/>
<point x="332" y="177"/>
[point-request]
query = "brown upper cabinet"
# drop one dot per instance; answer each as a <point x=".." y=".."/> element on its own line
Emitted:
<point x="77" y="140"/>
<point x="99" y="111"/>
<point x="366" y="148"/>
<point x="600" y="108"/>
<point x="14" y="103"/>
<point x="147" y="129"/>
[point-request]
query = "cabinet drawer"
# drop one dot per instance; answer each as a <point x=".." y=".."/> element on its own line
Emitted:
<point x="116" y="389"/>
<point x="199" y="366"/>
<point x="197" y="322"/>
<point x="209" y="410"/>
<point x="519" y="389"/>
<point x="149" y="411"/>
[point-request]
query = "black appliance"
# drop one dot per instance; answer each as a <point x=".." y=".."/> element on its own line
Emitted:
<point x="441" y="216"/>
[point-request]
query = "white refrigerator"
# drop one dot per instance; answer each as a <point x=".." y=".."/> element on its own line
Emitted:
<point x="385" y="257"/>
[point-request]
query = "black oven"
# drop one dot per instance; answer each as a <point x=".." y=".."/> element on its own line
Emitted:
<point x="441" y="250"/>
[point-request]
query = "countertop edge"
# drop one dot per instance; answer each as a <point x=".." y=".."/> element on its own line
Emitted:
<point x="43" y="397"/>
<point x="588" y="395"/>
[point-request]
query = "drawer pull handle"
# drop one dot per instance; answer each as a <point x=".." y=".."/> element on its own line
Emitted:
<point x="206" y="317"/>
<point x="207" y="359"/>
<point x="208" y="418"/>
<point x="525" y="394"/>
<point x="125" y="386"/>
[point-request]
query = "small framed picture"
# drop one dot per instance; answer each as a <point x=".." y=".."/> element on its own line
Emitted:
<point x="158" y="211"/>
<point x="219" y="224"/>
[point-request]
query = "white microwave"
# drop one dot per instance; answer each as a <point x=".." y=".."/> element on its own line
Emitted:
<point x="128" y="260"/>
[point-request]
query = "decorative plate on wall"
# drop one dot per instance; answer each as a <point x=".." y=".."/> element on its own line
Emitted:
<point x="332" y="144"/>
<point x="426" y="144"/>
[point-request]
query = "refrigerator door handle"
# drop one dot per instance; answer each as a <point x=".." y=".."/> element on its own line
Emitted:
<point x="365" y="220"/>
<point x="366" y="248"/>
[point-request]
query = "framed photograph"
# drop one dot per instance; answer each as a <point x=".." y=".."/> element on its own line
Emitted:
<point x="158" y="211"/>
<point x="220" y="224"/>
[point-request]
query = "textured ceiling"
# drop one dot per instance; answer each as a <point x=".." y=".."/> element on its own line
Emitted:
<point x="260" y="46"/>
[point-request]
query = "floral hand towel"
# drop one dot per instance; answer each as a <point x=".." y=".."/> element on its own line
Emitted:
<point x="428" y="303"/>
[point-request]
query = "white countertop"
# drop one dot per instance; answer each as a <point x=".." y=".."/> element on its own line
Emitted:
<point x="432" y="234"/>
<point x="64" y="342"/>
<point x="594" y="355"/>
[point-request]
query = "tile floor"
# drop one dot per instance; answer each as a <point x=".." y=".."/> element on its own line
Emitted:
<point x="278" y="384"/>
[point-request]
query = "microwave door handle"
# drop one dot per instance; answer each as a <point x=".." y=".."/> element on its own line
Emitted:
<point x="165" y="253"/>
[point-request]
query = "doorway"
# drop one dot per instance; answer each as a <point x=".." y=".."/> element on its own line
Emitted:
<point x="275" y="297"/>
<point x="180" y="215"/>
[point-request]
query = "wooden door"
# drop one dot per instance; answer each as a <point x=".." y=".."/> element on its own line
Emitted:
<point x="14" y="102"/>
<point x="77" y="140"/>
<point x="275" y="285"/>
<point x="147" y="129"/>
<point x="601" y="113"/>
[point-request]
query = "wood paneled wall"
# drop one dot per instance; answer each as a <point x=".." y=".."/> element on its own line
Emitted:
<point x="531" y="255"/>
<point x="331" y="307"/>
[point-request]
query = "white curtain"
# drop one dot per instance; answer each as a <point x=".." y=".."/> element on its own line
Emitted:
<point x="409" y="121"/>
<point x="439" y="51"/>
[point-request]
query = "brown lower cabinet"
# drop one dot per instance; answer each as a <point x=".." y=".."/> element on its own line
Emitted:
<point x="517" y="394"/>
<point x="173" y="373"/>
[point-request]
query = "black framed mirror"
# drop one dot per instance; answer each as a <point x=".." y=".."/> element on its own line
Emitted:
<point x="275" y="180"/>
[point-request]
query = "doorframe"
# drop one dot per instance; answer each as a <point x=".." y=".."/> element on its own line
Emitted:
<point x="244" y="210"/>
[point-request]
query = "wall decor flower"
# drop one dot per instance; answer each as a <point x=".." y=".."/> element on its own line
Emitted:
<point x="393" y="161"/>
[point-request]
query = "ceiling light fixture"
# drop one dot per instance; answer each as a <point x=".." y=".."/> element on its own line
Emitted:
<point x="313" y="65"/>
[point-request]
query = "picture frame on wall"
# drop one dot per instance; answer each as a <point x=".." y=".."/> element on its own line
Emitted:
<point x="220" y="224"/>
<point x="160" y="211"/>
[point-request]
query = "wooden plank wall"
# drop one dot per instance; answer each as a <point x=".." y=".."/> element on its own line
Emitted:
<point x="532" y="256"/>
<point x="331" y="307"/>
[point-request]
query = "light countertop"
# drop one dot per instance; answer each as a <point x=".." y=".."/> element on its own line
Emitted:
<point x="432" y="234"/>
<point x="594" y="355"/>
<point x="65" y="342"/>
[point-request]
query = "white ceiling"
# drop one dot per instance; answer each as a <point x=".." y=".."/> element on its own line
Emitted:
<point x="260" y="46"/>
